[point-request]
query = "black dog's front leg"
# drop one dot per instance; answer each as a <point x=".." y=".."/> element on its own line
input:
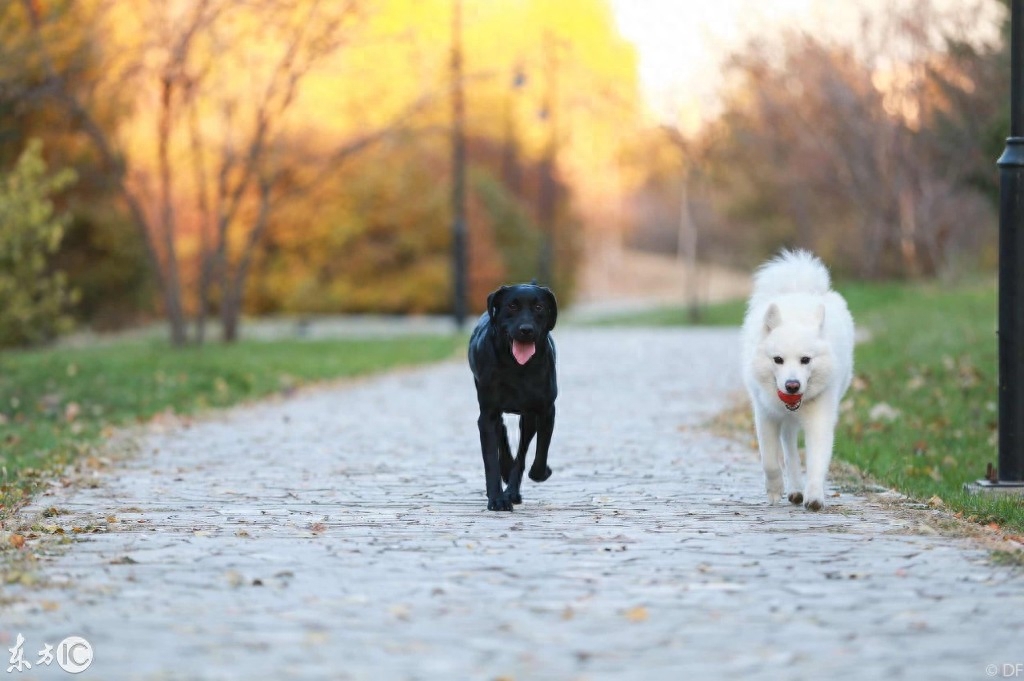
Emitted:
<point x="527" y="429"/>
<point x="504" y="451"/>
<point x="488" y="424"/>
<point x="539" y="471"/>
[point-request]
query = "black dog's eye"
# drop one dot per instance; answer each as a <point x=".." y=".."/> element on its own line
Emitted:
<point x="538" y="307"/>
<point x="805" y="360"/>
<point x="777" y="360"/>
<point x="514" y="306"/>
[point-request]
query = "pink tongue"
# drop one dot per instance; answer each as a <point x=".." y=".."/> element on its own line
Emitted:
<point x="523" y="351"/>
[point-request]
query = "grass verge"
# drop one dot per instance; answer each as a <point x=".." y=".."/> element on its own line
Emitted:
<point x="56" y="404"/>
<point x="921" y="416"/>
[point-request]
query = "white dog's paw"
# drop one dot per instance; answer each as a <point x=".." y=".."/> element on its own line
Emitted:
<point x="814" y="499"/>
<point x="774" y="488"/>
<point x="796" y="498"/>
<point x="774" y="497"/>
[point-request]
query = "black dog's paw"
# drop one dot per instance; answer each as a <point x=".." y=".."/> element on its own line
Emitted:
<point x="514" y="497"/>
<point x="538" y="476"/>
<point x="505" y="462"/>
<point x="501" y="503"/>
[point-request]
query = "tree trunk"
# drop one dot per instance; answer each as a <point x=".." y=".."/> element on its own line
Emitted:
<point x="686" y="249"/>
<point x="230" y="311"/>
<point x="233" y="288"/>
<point x="172" y="293"/>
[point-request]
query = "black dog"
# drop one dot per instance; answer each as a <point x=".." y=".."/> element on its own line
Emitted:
<point x="513" y="362"/>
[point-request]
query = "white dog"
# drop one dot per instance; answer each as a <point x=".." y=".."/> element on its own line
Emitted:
<point x="797" y="364"/>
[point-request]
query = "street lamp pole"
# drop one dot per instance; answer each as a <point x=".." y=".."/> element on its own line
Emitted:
<point x="1009" y="476"/>
<point x="458" y="172"/>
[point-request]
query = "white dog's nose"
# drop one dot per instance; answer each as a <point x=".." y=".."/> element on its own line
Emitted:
<point x="792" y="387"/>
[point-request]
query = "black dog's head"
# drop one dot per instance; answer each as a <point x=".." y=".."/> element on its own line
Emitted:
<point x="524" y="314"/>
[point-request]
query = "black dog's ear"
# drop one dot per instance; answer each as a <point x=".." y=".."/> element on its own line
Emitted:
<point x="552" y="305"/>
<point x="494" y="301"/>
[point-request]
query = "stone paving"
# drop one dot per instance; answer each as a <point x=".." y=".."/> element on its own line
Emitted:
<point x="342" y="534"/>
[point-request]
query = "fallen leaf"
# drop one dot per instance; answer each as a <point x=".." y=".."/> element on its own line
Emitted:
<point x="17" y="541"/>
<point x="936" y="502"/>
<point x="883" y="412"/>
<point x="637" y="614"/>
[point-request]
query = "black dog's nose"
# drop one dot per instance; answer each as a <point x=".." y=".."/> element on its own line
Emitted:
<point x="526" y="332"/>
<point x="792" y="387"/>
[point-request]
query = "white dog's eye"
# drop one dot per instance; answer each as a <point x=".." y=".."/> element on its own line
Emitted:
<point x="805" y="360"/>
<point x="777" y="360"/>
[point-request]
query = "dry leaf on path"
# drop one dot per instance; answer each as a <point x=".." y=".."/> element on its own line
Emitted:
<point x="637" y="614"/>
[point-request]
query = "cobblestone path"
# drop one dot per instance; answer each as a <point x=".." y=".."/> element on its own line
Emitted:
<point x="342" y="534"/>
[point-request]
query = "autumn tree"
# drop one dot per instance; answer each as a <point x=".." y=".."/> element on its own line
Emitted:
<point x="207" y="155"/>
<point x="101" y="253"/>
<point x="834" y="147"/>
<point x="34" y="300"/>
<point x="380" y="240"/>
<point x="223" y="127"/>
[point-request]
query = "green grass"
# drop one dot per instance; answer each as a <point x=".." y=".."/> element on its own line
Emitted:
<point x="730" y="313"/>
<point x="932" y="356"/>
<point x="57" y="403"/>
<point x="721" y="314"/>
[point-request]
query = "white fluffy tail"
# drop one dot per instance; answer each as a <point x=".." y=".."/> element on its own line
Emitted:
<point x="792" y="272"/>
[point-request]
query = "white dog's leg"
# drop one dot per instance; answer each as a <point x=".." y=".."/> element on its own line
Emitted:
<point x="794" y="479"/>
<point x="819" y="432"/>
<point x="768" y="443"/>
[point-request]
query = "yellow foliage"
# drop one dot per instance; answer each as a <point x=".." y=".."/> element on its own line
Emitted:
<point x="365" y="65"/>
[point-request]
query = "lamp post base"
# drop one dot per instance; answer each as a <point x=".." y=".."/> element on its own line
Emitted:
<point x="989" y="488"/>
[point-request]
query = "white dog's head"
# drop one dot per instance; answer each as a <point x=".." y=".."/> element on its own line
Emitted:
<point x="793" y="356"/>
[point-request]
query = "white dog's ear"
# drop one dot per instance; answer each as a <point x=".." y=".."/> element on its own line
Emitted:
<point x="819" y="315"/>
<point x="772" y="318"/>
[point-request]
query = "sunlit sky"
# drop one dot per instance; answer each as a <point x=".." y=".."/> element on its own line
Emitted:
<point x="680" y="43"/>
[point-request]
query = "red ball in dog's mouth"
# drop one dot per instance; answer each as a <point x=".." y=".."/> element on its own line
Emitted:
<point x="792" y="402"/>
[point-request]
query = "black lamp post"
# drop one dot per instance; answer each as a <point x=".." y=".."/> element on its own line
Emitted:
<point x="1009" y="475"/>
